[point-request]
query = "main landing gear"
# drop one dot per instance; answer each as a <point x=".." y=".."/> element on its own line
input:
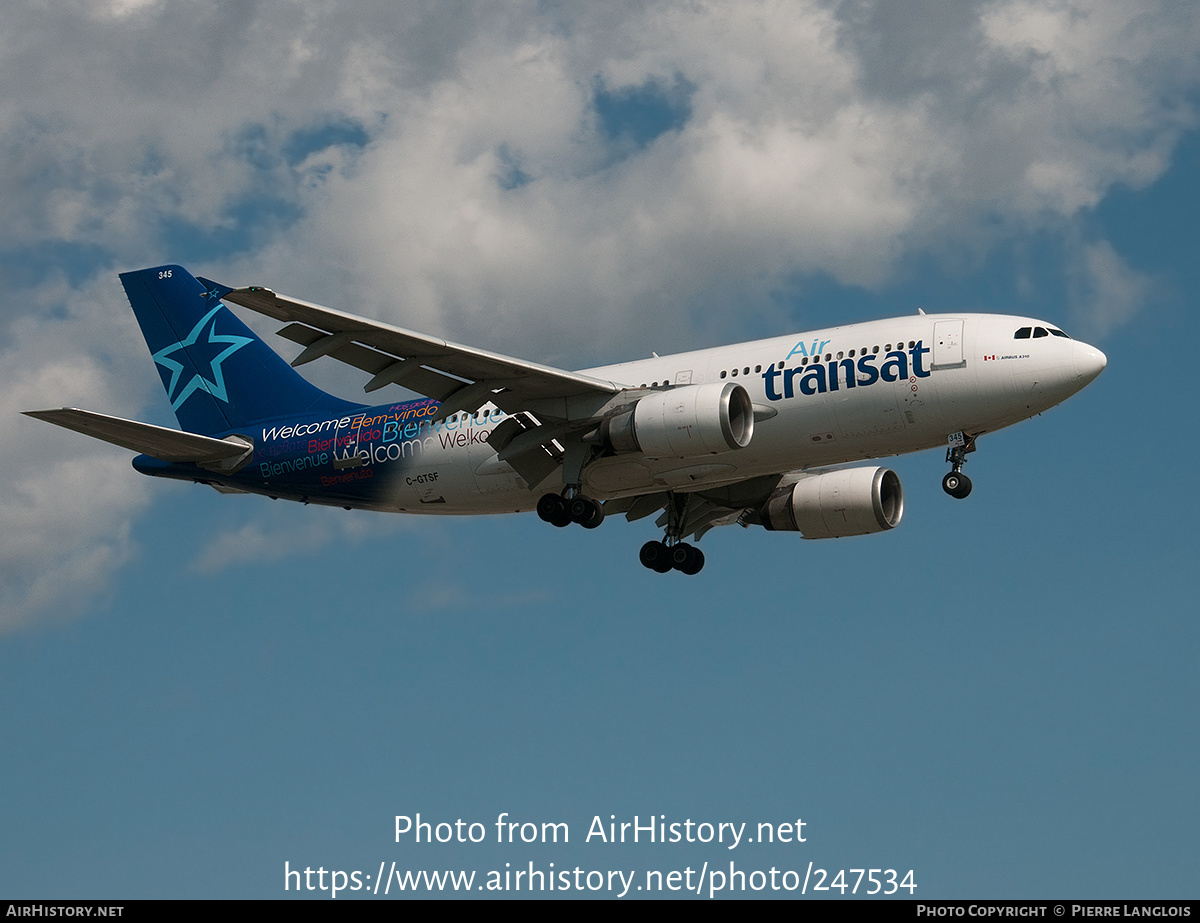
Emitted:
<point x="955" y="483"/>
<point x="673" y="553"/>
<point x="571" y="505"/>
<point x="661" y="557"/>
<point x="562" y="511"/>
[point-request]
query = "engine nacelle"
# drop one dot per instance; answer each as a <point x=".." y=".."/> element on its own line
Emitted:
<point x="684" y="422"/>
<point x="834" y="504"/>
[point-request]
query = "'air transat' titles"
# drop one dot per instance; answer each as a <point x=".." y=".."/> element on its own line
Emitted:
<point x="861" y="372"/>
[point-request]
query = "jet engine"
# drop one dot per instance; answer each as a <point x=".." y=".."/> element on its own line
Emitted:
<point x="834" y="504"/>
<point x="683" y="422"/>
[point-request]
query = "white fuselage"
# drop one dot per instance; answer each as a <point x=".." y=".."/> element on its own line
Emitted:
<point x="946" y="374"/>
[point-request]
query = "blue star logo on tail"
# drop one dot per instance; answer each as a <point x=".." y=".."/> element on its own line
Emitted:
<point x="199" y="347"/>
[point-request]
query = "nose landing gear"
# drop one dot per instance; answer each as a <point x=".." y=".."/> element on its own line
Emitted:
<point x="955" y="483"/>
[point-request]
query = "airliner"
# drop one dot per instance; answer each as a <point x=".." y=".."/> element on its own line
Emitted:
<point x="756" y="434"/>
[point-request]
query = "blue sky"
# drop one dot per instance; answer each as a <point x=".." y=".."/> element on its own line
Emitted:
<point x="1000" y="695"/>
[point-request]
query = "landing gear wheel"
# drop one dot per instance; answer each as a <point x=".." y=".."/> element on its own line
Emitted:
<point x="585" y="511"/>
<point x="672" y="553"/>
<point x="552" y="508"/>
<point x="687" y="558"/>
<point x="956" y="484"/>
<point x="656" y="556"/>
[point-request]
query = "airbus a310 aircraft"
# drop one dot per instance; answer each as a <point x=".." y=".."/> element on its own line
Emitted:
<point x="749" y="434"/>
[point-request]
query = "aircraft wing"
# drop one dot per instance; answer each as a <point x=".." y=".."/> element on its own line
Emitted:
<point x="461" y="377"/>
<point x="170" y="445"/>
<point x="695" y="512"/>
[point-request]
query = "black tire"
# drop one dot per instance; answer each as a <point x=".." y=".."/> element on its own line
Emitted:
<point x="682" y="556"/>
<point x="595" y="516"/>
<point x="687" y="559"/>
<point x="585" y="511"/>
<point x="550" y="507"/>
<point x="957" y="485"/>
<point x="656" y="556"/>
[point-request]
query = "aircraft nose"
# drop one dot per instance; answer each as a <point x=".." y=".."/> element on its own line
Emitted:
<point x="1089" y="362"/>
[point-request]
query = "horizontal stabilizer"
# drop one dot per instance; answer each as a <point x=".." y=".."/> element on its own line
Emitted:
<point x="169" y="445"/>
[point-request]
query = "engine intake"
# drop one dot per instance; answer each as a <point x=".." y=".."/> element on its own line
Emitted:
<point x="684" y="422"/>
<point x="834" y="504"/>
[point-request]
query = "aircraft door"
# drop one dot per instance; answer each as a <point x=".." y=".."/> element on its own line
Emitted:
<point x="948" y="345"/>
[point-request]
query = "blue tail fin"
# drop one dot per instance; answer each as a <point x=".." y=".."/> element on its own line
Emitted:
<point x="219" y="376"/>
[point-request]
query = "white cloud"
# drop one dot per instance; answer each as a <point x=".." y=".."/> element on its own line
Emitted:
<point x="289" y="531"/>
<point x="66" y="512"/>
<point x="795" y="160"/>
<point x="1106" y="292"/>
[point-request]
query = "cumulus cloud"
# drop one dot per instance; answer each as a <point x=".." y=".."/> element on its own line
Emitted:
<point x="1105" y="291"/>
<point x="818" y="140"/>
<point x="68" y="504"/>
<point x="465" y="169"/>
<point x="282" y="533"/>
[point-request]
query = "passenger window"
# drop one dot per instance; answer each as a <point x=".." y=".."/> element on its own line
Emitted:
<point x="1023" y="333"/>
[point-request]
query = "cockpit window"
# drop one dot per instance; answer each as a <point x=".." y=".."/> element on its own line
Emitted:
<point x="1059" y="333"/>
<point x="1023" y="333"/>
<point x="1039" y="332"/>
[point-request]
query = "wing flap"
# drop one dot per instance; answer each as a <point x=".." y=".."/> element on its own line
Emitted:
<point x="169" y="445"/>
<point x="414" y="375"/>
